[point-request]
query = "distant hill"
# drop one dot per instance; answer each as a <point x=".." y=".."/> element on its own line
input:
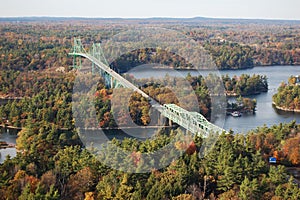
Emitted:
<point x="153" y="20"/>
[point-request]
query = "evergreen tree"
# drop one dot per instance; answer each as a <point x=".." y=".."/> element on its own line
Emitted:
<point x="249" y="190"/>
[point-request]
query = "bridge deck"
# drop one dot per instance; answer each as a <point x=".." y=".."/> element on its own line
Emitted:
<point x="191" y="121"/>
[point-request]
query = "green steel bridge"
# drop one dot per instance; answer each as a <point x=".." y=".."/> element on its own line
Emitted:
<point x="191" y="121"/>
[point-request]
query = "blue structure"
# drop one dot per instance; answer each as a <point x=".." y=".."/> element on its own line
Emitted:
<point x="272" y="160"/>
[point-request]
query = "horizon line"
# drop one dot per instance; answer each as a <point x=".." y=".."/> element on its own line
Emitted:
<point x="152" y="17"/>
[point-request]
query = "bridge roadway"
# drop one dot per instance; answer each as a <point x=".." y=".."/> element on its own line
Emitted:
<point x="117" y="76"/>
<point x="191" y="121"/>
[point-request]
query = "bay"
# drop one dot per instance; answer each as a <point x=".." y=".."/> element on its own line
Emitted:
<point x="266" y="114"/>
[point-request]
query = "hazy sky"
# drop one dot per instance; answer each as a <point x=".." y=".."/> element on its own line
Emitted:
<point x="274" y="9"/>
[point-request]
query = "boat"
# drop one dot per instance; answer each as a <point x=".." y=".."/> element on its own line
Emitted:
<point x="236" y="114"/>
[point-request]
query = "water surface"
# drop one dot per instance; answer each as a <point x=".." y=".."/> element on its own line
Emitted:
<point x="265" y="114"/>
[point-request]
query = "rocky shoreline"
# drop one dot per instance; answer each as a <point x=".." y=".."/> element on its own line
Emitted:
<point x="285" y="109"/>
<point x="4" y="145"/>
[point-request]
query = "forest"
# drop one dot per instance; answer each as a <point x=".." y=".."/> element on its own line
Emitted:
<point x="52" y="162"/>
<point x="236" y="168"/>
<point x="287" y="97"/>
<point x="48" y="96"/>
<point x="245" y="85"/>
<point x="38" y="45"/>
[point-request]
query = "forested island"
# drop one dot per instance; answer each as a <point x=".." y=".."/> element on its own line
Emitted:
<point x="48" y="96"/>
<point x="287" y="97"/>
<point x="245" y="85"/>
<point x="53" y="163"/>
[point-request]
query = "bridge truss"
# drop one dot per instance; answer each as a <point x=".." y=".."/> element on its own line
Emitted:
<point x="191" y="121"/>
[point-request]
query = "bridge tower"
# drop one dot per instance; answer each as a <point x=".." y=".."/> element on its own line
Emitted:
<point x="77" y="49"/>
<point x="191" y="121"/>
<point x="96" y="52"/>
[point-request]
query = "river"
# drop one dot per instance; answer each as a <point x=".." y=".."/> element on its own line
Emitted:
<point x="265" y="113"/>
<point x="9" y="137"/>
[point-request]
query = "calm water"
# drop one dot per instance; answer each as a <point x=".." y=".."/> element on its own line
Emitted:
<point x="9" y="138"/>
<point x="265" y="114"/>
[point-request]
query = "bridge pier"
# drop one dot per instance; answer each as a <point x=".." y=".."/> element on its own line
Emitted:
<point x="161" y="119"/>
<point x="111" y="82"/>
<point x="170" y="122"/>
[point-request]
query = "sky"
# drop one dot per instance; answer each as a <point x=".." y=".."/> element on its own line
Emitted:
<point x="251" y="9"/>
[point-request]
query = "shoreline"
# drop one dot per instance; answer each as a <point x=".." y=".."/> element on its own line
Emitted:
<point x="285" y="109"/>
<point x="10" y="127"/>
<point x="94" y="128"/>
<point x="5" y="145"/>
<point x="126" y="128"/>
<point x="224" y="69"/>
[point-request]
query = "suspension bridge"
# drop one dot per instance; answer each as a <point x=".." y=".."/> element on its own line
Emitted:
<point x="191" y="121"/>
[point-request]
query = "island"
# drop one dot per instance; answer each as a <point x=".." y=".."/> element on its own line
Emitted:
<point x="288" y="96"/>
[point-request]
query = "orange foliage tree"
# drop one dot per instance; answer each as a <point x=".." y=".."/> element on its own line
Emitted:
<point x="291" y="149"/>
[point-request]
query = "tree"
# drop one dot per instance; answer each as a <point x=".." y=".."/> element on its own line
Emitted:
<point x="277" y="175"/>
<point x="124" y="191"/>
<point x="226" y="180"/>
<point x="69" y="161"/>
<point x="184" y="197"/>
<point x="289" y="190"/>
<point x="26" y="194"/>
<point x="137" y="194"/>
<point x="291" y="150"/>
<point x="52" y="194"/>
<point x="80" y="183"/>
<point x="249" y="190"/>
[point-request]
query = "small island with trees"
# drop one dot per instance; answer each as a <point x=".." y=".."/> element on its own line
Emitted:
<point x="241" y="87"/>
<point x="288" y="96"/>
